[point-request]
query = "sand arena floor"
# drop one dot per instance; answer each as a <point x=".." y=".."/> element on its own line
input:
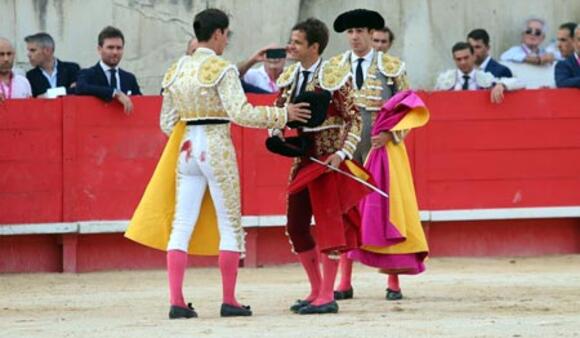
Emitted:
<point x="504" y="297"/>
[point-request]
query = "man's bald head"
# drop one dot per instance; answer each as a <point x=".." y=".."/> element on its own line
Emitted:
<point x="6" y="56"/>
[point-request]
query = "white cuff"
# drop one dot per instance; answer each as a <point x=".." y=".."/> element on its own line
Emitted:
<point x="342" y="154"/>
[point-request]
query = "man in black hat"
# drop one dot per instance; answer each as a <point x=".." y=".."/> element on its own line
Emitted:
<point x="331" y="142"/>
<point x="377" y="76"/>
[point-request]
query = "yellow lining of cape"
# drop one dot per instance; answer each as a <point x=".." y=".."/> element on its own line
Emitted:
<point x="151" y="222"/>
<point x="415" y="118"/>
<point x="404" y="211"/>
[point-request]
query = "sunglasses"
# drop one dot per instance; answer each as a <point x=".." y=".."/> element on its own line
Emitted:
<point x="533" y="31"/>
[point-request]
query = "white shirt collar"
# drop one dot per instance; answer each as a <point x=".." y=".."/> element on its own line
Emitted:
<point x="205" y="50"/>
<point x="106" y="67"/>
<point x="312" y="68"/>
<point x="471" y="74"/>
<point x="485" y="62"/>
<point x="367" y="58"/>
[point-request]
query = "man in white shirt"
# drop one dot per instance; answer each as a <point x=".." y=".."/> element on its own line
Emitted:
<point x="467" y="77"/>
<point x="264" y="77"/>
<point x="529" y="51"/>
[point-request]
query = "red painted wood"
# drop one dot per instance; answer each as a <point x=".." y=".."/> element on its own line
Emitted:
<point x="30" y="161"/>
<point x="34" y="253"/>
<point x="505" y="238"/>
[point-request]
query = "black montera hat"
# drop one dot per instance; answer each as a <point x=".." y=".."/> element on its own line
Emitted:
<point x="319" y="102"/>
<point x="290" y="147"/>
<point x="358" y="18"/>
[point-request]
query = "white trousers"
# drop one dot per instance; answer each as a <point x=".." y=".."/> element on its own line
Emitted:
<point x="207" y="159"/>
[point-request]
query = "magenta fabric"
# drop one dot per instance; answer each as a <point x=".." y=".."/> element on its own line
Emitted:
<point x="377" y="230"/>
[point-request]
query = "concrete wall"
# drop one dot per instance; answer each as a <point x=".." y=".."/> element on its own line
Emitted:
<point x="157" y="30"/>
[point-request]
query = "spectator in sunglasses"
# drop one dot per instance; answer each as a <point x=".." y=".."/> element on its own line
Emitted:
<point x="530" y="51"/>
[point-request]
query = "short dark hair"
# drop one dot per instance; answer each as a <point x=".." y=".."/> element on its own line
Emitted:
<point x="208" y="21"/>
<point x="110" y="32"/>
<point x="42" y="39"/>
<point x="570" y="26"/>
<point x="388" y="31"/>
<point x="479" y="34"/>
<point x="315" y="32"/>
<point x="461" y="46"/>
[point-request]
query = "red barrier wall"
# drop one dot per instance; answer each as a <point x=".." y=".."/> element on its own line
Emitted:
<point x="77" y="158"/>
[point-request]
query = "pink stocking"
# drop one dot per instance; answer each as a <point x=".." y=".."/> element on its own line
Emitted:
<point x="228" y="262"/>
<point x="311" y="264"/>
<point x="176" y="264"/>
<point x="329" y="269"/>
<point x="394" y="282"/>
<point x="345" y="265"/>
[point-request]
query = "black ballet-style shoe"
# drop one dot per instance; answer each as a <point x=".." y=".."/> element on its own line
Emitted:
<point x="298" y="305"/>
<point x="176" y="312"/>
<point x="341" y="295"/>
<point x="228" y="310"/>
<point x="310" y="309"/>
<point x="394" y="295"/>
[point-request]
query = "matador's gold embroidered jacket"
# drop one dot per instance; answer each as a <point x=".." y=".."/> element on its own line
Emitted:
<point x="340" y="132"/>
<point x="385" y="76"/>
<point x="205" y="86"/>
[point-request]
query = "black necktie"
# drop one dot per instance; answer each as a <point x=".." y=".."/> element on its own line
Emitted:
<point x="113" y="78"/>
<point x="465" y="82"/>
<point x="359" y="74"/>
<point x="305" y="74"/>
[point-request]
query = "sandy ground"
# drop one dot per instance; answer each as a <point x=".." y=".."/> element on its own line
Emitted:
<point x="506" y="297"/>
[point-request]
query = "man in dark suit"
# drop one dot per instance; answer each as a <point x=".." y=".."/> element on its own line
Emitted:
<point x="48" y="71"/>
<point x="568" y="71"/>
<point x="479" y="40"/>
<point x="106" y="80"/>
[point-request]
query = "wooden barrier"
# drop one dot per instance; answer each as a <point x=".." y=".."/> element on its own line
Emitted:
<point x="67" y="162"/>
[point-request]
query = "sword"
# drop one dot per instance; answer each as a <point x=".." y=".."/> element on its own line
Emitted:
<point x="358" y="179"/>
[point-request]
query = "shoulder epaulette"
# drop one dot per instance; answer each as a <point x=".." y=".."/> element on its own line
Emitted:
<point x="335" y="72"/>
<point x="171" y="73"/>
<point x="212" y="69"/>
<point x="287" y="76"/>
<point x="390" y="66"/>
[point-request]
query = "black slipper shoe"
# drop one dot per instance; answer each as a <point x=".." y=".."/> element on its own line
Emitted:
<point x="176" y="312"/>
<point x="309" y="309"/>
<point x="228" y="310"/>
<point x="394" y="295"/>
<point x="298" y="305"/>
<point x="341" y="295"/>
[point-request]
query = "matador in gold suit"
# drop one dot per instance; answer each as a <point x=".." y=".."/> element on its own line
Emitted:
<point x="196" y="184"/>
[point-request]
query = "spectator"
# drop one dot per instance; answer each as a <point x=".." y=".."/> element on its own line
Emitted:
<point x="568" y="71"/>
<point x="12" y="86"/>
<point x="264" y="77"/>
<point x="191" y="46"/>
<point x="479" y="41"/>
<point x="530" y="51"/>
<point x="467" y="77"/>
<point x="383" y="39"/>
<point x="106" y="80"/>
<point x="565" y="38"/>
<point x="48" y="72"/>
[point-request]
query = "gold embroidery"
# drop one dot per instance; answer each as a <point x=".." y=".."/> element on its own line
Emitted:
<point x="211" y="70"/>
<point x="334" y="73"/>
<point x="390" y="66"/>
<point x="222" y="159"/>
<point x="287" y="76"/>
